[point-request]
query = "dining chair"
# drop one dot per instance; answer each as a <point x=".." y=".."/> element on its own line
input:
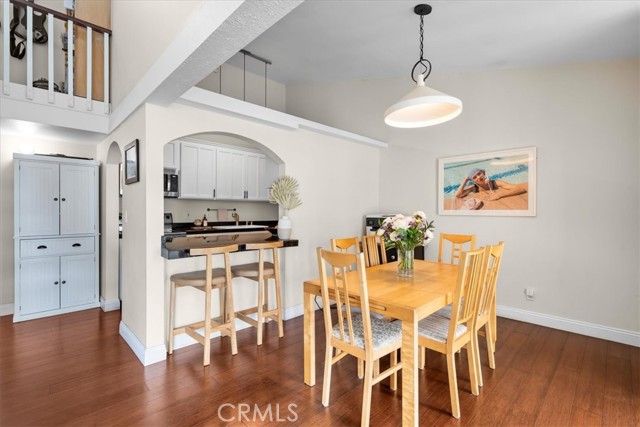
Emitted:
<point x="457" y="242"/>
<point x="448" y="335"/>
<point x="486" y="308"/>
<point x="355" y="333"/>
<point x="374" y="250"/>
<point x="260" y="272"/>
<point x="205" y="281"/>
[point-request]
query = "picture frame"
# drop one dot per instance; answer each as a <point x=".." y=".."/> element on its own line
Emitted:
<point x="503" y="183"/>
<point x="131" y="163"/>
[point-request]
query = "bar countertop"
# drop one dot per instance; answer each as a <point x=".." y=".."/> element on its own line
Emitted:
<point x="179" y="246"/>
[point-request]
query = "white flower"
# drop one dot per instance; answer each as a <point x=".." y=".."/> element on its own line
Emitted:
<point x="429" y="235"/>
<point x="400" y="224"/>
<point x="393" y="236"/>
<point x="420" y="214"/>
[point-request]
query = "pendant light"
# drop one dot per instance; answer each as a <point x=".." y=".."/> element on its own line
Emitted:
<point x="422" y="106"/>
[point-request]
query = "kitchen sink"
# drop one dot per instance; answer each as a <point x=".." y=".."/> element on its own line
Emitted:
<point x="238" y="227"/>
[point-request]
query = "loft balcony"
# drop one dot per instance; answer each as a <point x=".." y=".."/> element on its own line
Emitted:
<point x="72" y="54"/>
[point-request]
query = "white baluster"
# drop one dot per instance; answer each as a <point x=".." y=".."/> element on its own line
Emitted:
<point x="70" y="62"/>
<point x="29" y="52"/>
<point x="50" y="57"/>
<point x="5" y="53"/>
<point x="106" y="73"/>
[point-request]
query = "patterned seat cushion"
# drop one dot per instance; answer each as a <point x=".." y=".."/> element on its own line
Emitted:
<point x="384" y="333"/>
<point x="436" y="327"/>
<point x="445" y="311"/>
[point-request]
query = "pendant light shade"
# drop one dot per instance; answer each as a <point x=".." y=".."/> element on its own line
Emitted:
<point x="423" y="106"/>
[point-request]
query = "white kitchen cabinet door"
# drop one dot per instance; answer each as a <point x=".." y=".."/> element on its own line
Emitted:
<point x="77" y="199"/>
<point x="172" y="155"/>
<point x="39" y="204"/>
<point x="188" y="170"/>
<point x="252" y="176"/>
<point x="197" y="171"/>
<point x="206" y="172"/>
<point x="77" y="280"/>
<point x="230" y="174"/>
<point x="39" y="285"/>
<point x="268" y="172"/>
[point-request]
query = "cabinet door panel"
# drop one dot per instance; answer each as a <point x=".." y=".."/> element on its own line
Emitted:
<point x="206" y="171"/>
<point x="237" y="175"/>
<point x="39" y="199"/>
<point x="223" y="175"/>
<point x="77" y="280"/>
<point x="252" y="176"/>
<point x="39" y="285"/>
<point x="268" y="173"/>
<point x="77" y="199"/>
<point x="188" y="170"/>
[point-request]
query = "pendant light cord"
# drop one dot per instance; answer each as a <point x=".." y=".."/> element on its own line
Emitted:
<point x="426" y="64"/>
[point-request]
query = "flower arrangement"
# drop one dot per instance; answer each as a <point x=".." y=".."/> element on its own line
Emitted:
<point x="405" y="233"/>
<point x="284" y="192"/>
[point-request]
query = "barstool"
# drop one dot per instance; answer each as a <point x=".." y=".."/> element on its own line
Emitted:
<point x="261" y="272"/>
<point x="205" y="281"/>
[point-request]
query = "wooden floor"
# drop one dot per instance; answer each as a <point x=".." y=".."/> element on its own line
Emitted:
<point x="76" y="370"/>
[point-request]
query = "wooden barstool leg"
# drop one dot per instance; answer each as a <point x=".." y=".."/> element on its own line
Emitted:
<point x="224" y="315"/>
<point x="278" y="299"/>
<point x="261" y="285"/>
<point x="207" y="314"/>
<point x="230" y="315"/>
<point x="172" y="309"/>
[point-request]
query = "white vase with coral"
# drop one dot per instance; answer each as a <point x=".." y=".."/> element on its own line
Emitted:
<point x="284" y="192"/>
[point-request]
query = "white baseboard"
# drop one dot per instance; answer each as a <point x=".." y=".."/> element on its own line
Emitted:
<point x="570" y="325"/>
<point x="147" y="356"/>
<point x="6" y="309"/>
<point x="110" y="305"/>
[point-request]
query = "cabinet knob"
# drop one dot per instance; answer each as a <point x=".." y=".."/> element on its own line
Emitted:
<point x="42" y="247"/>
<point x="55" y="283"/>
<point x="64" y="200"/>
<point x="64" y="281"/>
<point x="55" y="199"/>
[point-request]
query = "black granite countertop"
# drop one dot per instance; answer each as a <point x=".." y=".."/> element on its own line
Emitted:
<point x="188" y="228"/>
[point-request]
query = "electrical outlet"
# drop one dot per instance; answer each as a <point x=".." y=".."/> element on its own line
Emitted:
<point x="530" y="294"/>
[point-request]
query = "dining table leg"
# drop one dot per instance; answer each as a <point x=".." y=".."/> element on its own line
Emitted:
<point x="309" y="340"/>
<point x="409" y="353"/>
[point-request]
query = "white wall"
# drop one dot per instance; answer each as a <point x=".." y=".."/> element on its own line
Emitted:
<point x="581" y="251"/>
<point x="141" y="33"/>
<point x="25" y="144"/>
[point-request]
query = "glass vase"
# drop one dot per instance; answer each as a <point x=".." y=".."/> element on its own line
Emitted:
<point x="405" y="263"/>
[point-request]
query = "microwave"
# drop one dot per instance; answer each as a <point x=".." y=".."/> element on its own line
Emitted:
<point x="170" y="185"/>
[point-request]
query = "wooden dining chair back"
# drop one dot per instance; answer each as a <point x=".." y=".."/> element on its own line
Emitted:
<point x="206" y="280"/>
<point x="374" y="250"/>
<point x="457" y="241"/>
<point x="448" y="335"/>
<point x="354" y="333"/>
<point x="260" y="272"/>
<point x="487" y="308"/>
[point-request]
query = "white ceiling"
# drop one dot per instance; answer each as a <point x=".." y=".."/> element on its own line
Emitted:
<point x="330" y="40"/>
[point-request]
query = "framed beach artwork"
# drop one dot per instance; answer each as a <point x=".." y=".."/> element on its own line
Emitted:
<point x="499" y="183"/>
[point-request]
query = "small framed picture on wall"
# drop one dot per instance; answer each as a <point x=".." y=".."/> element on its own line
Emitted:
<point x="131" y="163"/>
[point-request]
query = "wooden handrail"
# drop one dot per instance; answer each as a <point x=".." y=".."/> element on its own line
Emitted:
<point x="61" y="16"/>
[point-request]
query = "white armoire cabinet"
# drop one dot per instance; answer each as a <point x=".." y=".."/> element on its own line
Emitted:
<point x="55" y="234"/>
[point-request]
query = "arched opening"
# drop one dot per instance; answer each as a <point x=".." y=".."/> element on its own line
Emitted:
<point x="110" y="248"/>
<point x="193" y="200"/>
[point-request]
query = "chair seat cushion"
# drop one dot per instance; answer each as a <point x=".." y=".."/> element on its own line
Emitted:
<point x="445" y="311"/>
<point x="436" y="327"/>
<point x="252" y="269"/>
<point x="384" y="333"/>
<point x="197" y="279"/>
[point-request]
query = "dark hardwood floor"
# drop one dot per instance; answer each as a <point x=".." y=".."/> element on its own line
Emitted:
<point x="75" y="369"/>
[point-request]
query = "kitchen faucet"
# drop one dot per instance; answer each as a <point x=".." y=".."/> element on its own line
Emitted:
<point x="236" y="217"/>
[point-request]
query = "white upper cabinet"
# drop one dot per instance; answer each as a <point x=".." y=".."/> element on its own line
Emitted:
<point x="197" y="171"/>
<point x="56" y="199"/>
<point x="172" y="156"/>
<point x="220" y="172"/>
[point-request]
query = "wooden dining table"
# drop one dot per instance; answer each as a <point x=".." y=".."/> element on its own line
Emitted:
<point x="406" y="299"/>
